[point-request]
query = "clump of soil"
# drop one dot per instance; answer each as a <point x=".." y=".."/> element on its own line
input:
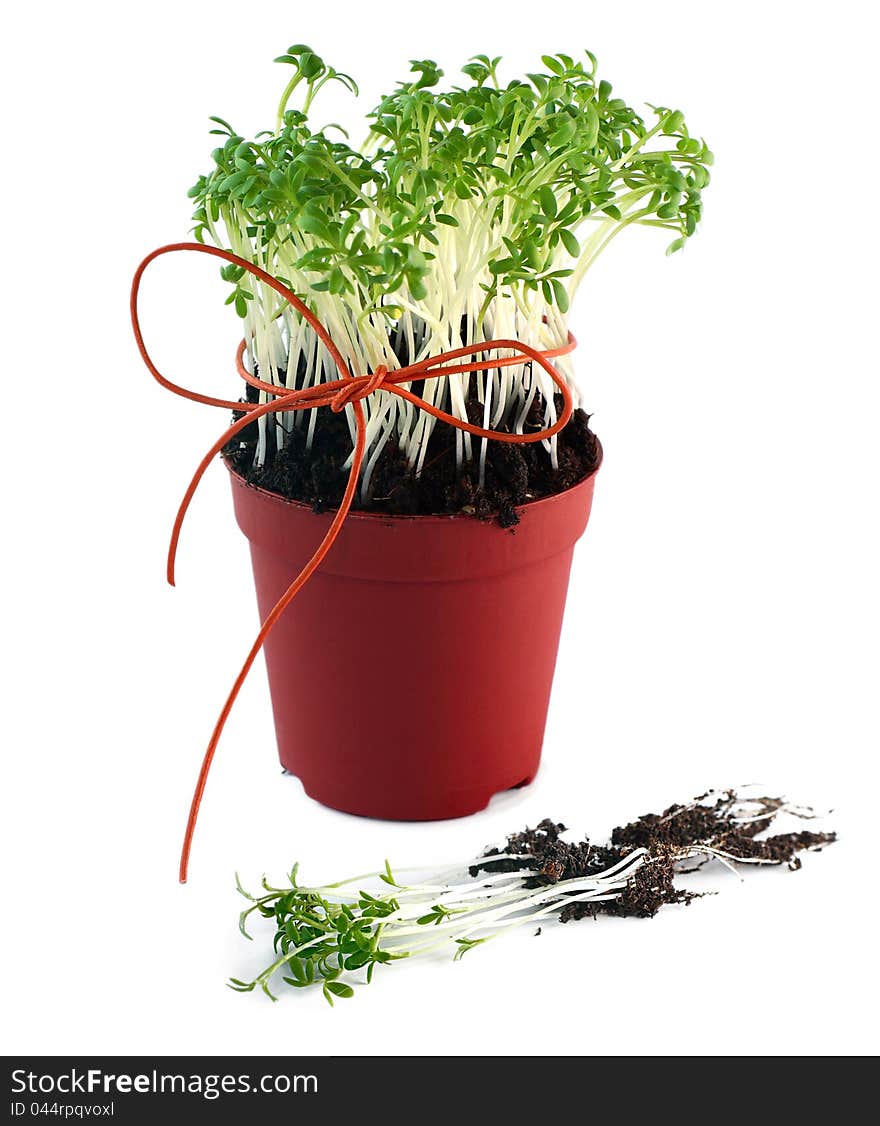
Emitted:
<point x="514" y="475"/>
<point x="725" y="825"/>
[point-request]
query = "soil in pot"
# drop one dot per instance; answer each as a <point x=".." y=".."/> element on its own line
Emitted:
<point x="515" y="474"/>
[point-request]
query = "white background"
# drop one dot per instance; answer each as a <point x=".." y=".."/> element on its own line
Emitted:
<point x="723" y="618"/>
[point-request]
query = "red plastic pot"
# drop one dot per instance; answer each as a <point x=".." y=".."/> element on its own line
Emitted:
<point x="410" y="677"/>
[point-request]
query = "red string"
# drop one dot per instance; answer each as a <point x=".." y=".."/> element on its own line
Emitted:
<point x="347" y="390"/>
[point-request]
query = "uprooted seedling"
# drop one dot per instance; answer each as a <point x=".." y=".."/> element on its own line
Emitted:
<point x="326" y="935"/>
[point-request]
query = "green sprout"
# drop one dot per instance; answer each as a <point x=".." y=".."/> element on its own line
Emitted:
<point x="327" y="934"/>
<point x="470" y="212"/>
<point x="333" y="937"/>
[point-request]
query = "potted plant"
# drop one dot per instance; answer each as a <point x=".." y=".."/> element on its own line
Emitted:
<point x="419" y="287"/>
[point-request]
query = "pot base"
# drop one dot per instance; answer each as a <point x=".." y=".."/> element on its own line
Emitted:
<point x="427" y="808"/>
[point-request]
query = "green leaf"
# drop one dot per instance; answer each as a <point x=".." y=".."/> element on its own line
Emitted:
<point x="532" y="254"/>
<point x="311" y="65"/>
<point x="313" y="225"/>
<point x="561" y="295"/>
<point x="563" y="134"/>
<point x="339" y="989"/>
<point x="570" y="243"/>
<point x="547" y="199"/>
<point x="241" y="986"/>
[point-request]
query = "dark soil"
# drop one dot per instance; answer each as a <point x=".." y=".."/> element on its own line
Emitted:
<point x="515" y="474"/>
<point x="665" y="835"/>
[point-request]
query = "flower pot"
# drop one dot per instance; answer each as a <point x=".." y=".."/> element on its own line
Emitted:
<point x="410" y="677"/>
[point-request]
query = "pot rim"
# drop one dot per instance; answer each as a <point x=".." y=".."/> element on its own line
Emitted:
<point x="423" y="518"/>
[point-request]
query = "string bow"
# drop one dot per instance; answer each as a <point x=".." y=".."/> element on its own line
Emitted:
<point x="346" y="391"/>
